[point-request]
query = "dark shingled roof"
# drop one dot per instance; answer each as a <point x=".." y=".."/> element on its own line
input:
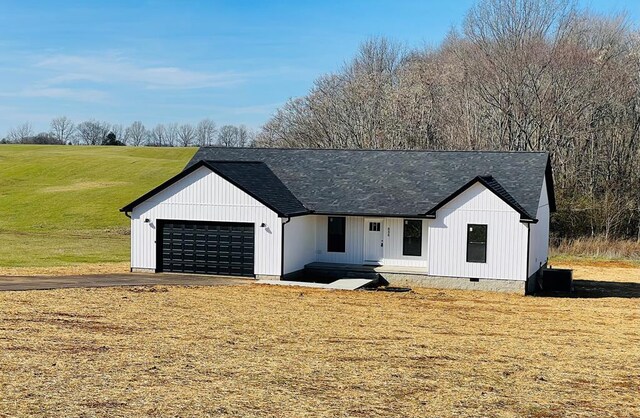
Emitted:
<point x="381" y="182"/>
<point x="255" y="178"/>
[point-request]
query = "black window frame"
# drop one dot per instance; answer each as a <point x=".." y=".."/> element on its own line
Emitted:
<point x="336" y="240"/>
<point x="477" y="244"/>
<point x="412" y="246"/>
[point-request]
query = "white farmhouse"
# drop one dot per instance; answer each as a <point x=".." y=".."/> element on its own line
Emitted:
<point x="462" y="219"/>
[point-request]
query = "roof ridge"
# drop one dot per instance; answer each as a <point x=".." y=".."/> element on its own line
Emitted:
<point x="233" y="162"/>
<point x="378" y="150"/>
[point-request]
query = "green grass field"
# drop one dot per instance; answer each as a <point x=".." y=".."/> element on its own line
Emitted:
<point x="59" y="204"/>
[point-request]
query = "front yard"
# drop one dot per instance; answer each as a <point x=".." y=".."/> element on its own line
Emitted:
<point x="270" y="351"/>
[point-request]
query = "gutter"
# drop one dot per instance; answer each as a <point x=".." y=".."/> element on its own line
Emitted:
<point x="529" y="221"/>
<point x="126" y="213"/>
<point x="282" y="248"/>
<point x="374" y="215"/>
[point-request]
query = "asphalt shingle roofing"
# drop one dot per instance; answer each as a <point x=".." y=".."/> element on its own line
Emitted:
<point x="257" y="179"/>
<point x="379" y="182"/>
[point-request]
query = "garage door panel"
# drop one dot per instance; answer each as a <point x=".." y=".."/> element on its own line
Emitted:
<point x="206" y="247"/>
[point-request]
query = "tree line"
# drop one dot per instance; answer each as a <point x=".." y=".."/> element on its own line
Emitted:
<point x="63" y="131"/>
<point x="525" y="75"/>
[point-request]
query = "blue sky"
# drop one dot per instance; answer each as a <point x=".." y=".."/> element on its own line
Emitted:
<point x="159" y="61"/>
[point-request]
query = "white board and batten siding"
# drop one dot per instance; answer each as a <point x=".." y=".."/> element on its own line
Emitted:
<point x="393" y="245"/>
<point x="299" y="242"/>
<point x="506" y="237"/>
<point x="355" y="229"/>
<point x="205" y="196"/>
<point x="354" y="241"/>
<point x="539" y="245"/>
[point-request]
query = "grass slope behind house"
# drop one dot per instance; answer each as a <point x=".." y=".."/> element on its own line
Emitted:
<point x="59" y="204"/>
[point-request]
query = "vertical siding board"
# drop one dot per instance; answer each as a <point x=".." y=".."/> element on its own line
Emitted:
<point x="393" y="242"/>
<point x="539" y="244"/>
<point x="444" y="238"/>
<point x="506" y="237"/>
<point x="205" y="196"/>
<point x="299" y="242"/>
<point x="354" y="241"/>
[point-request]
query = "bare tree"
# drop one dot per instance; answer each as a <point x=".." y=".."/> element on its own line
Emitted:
<point x="62" y="129"/>
<point x="172" y="135"/>
<point x="186" y="135"/>
<point x="521" y="75"/>
<point x="158" y="137"/>
<point x="92" y="132"/>
<point x="205" y="132"/>
<point x="136" y="134"/>
<point x="235" y="136"/>
<point x="245" y="136"/>
<point x="228" y="136"/>
<point x="20" y="133"/>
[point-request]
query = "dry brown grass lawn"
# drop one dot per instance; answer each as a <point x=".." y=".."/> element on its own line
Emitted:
<point x="85" y="268"/>
<point x="602" y="270"/>
<point x="292" y="352"/>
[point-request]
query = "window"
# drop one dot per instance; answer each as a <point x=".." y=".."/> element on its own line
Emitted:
<point x="374" y="226"/>
<point x="476" y="243"/>
<point x="335" y="234"/>
<point x="412" y="237"/>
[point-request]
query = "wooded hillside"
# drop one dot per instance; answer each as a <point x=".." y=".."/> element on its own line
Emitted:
<point x="518" y="75"/>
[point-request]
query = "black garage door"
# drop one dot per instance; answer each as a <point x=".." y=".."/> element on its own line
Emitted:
<point x="205" y="247"/>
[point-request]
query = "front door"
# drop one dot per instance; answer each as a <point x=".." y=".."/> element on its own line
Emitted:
<point x="373" y="239"/>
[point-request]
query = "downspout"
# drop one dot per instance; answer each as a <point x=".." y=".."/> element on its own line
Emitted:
<point x="128" y="215"/>
<point x="528" y="250"/>
<point x="282" y="248"/>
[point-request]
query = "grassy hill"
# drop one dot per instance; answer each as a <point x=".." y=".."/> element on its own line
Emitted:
<point x="59" y="204"/>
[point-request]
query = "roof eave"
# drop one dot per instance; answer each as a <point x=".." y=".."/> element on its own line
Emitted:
<point x="375" y="215"/>
<point x="295" y="214"/>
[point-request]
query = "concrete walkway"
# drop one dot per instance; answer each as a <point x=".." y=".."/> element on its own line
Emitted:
<point x="108" y="280"/>
<point x="341" y="284"/>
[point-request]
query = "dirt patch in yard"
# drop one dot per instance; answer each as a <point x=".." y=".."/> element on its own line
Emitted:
<point x="293" y="352"/>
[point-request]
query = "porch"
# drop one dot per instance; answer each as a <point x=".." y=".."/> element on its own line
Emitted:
<point x="322" y="272"/>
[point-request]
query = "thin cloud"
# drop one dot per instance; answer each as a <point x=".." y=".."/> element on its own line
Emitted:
<point x="112" y="68"/>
